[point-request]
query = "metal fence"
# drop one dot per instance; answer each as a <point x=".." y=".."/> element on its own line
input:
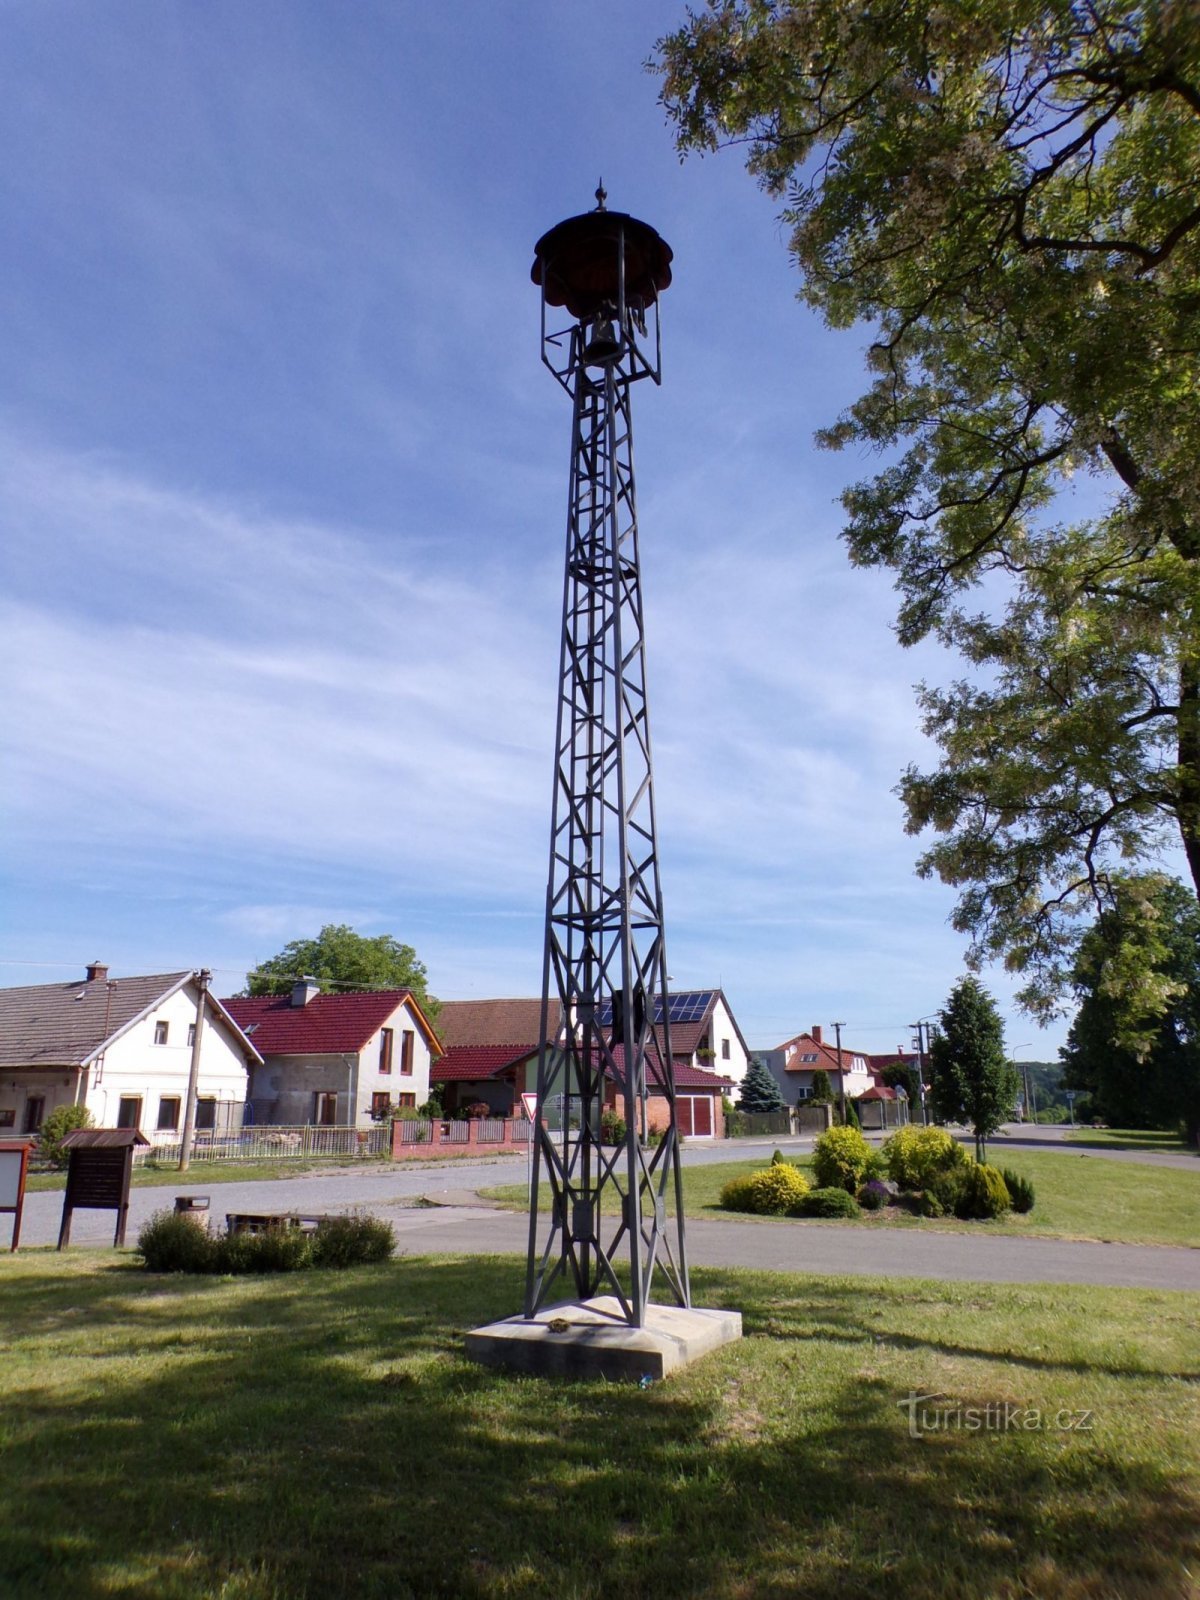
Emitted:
<point x="277" y="1144"/>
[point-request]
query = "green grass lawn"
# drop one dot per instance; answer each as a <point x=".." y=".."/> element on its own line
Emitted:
<point x="1078" y="1197"/>
<point x="1152" y="1140"/>
<point x="321" y="1435"/>
<point x="201" y="1174"/>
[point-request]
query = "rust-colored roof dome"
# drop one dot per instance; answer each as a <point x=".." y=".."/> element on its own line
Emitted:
<point x="578" y="262"/>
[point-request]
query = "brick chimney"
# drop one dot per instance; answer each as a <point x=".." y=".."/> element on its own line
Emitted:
<point x="97" y="972"/>
<point x="303" y="990"/>
<point x="816" y="1032"/>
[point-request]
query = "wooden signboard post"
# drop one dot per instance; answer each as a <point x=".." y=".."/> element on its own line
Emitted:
<point x="99" y="1168"/>
<point x="14" y="1164"/>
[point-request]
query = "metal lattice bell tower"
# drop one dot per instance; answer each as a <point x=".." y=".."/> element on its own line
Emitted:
<point x="605" y="1011"/>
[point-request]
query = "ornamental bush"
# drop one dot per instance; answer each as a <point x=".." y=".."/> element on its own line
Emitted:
<point x="916" y="1156"/>
<point x="829" y="1202"/>
<point x="983" y="1194"/>
<point x="1020" y="1190"/>
<point x="169" y="1242"/>
<point x="841" y="1157"/>
<point x="873" y="1195"/>
<point x="274" y="1250"/>
<point x="350" y="1240"/>
<point x="776" y="1191"/>
<point x="61" y="1121"/>
<point x="612" y="1127"/>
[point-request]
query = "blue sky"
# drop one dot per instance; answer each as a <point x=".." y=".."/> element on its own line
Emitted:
<point x="283" y="489"/>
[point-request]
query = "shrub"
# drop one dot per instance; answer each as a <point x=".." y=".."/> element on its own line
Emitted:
<point x="915" y="1156"/>
<point x="983" y="1194"/>
<point x="775" y="1191"/>
<point x="275" y="1250"/>
<point x="829" y="1202"/>
<point x="1020" y="1190"/>
<point x="169" y="1242"/>
<point x="946" y="1187"/>
<point x="840" y="1159"/>
<point x="347" y="1241"/>
<point x="612" y="1127"/>
<point x="873" y="1195"/>
<point x="876" y="1166"/>
<point x="777" y="1159"/>
<point x="928" y="1205"/>
<point x="61" y="1121"/>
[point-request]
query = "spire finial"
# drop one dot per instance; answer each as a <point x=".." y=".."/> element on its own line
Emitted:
<point x="601" y="196"/>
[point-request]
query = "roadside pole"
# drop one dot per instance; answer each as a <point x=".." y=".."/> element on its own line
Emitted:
<point x="203" y="979"/>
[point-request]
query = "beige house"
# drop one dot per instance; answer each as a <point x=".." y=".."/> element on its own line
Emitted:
<point x="122" y="1047"/>
<point x="335" y="1060"/>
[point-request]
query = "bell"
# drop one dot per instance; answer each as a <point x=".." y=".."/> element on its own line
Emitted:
<point x="604" y="345"/>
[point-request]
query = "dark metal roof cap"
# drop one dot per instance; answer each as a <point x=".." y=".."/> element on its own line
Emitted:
<point x="103" y="1139"/>
<point x="579" y="264"/>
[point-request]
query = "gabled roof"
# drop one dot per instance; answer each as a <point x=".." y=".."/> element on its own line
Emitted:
<point x="470" y="1063"/>
<point x="330" y="1024"/>
<point x="492" y="1022"/>
<point x="68" y="1024"/>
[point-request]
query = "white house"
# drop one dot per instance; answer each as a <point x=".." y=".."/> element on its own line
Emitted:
<point x="793" y="1063"/>
<point x="123" y="1048"/>
<point x="335" y="1059"/>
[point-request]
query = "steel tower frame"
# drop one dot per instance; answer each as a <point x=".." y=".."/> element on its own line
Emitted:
<point x="605" y="1009"/>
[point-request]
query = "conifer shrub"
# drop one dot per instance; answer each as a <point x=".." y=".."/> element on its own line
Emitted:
<point x="1020" y="1190"/>
<point x="841" y="1157"/>
<point x="775" y="1191"/>
<point x="982" y="1195"/>
<point x="829" y="1202"/>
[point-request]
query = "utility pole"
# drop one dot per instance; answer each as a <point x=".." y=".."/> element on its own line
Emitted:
<point x="203" y="979"/>
<point x="837" y="1028"/>
<point x="920" y="1044"/>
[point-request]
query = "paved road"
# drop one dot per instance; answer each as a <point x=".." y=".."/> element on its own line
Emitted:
<point x="826" y="1248"/>
<point x="454" y="1226"/>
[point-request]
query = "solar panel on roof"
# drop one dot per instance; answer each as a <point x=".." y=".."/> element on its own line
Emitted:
<point x="690" y="1005"/>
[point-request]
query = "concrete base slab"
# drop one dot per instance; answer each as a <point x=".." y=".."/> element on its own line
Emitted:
<point x="591" y="1339"/>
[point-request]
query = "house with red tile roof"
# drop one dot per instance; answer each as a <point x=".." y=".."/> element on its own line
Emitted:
<point x="793" y="1063"/>
<point x="491" y="1056"/>
<point x="336" y="1059"/>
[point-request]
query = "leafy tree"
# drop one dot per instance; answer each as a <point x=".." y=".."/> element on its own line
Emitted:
<point x="759" y="1091"/>
<point x="340" y="959"/>
<point x="903" y="1075"/>
<point x="1140" y="1061"/>
<point x="973" y="1081"/>
<point x="61" y="1121"/>
<point x="822" y="1089"/>
<point x="1005" y="193"/>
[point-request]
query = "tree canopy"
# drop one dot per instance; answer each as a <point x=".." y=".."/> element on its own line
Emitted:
<point x="972" y="1080"/>
<point x="1139" y="1056"/>
<point x="1005" y="192"/>
<point x="340" y="959"/>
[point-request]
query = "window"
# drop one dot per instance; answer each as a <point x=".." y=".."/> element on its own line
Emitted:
<point x="406" y="1053"/>
<point x="812" y="1057"/>
<point x="325" y="1108"/>
<point x="8" y="1116"/>
<point x="35" y="1110"/>
<point x="381" y="1104"/>
<point x="191" y="1034"/>
<point x="160" y="1032"/>
<point x="385" y="1049"/>
<point x="168" y="1111"/>
<point x="407" y="1100"/>
<point x="129" y="1110"/>
<point x="206" y="1114"/>
<point x="724" y="1049"/>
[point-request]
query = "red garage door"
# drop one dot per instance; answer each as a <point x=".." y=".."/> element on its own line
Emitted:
<point x="694" y="1115"/>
